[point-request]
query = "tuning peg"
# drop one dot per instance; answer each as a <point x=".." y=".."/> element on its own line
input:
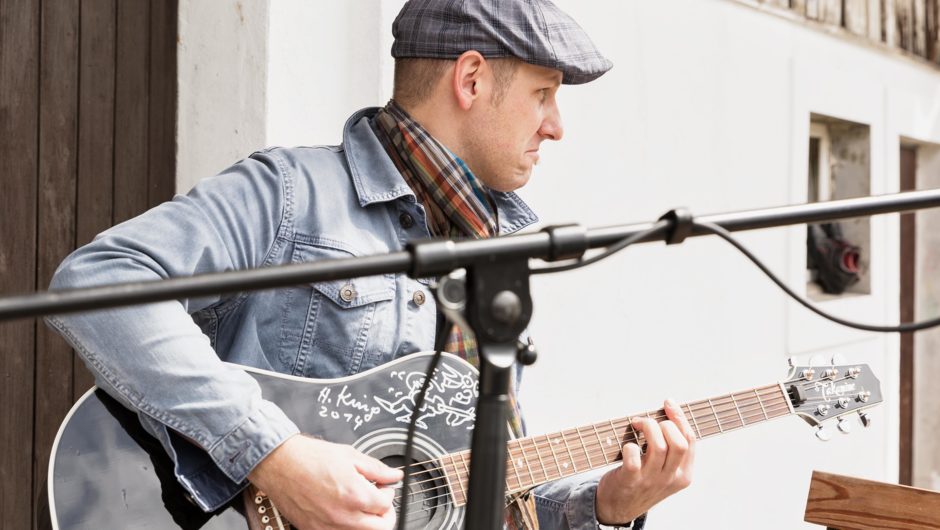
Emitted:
<point x="792" y="361"/>
<point x="865" y="419"/>
<point x="823" y="434"/>
<point x="838" y="358"/>
<point x="845" y="427"/>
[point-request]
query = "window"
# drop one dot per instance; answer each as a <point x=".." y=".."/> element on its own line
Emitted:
<point x="839" y="168"/>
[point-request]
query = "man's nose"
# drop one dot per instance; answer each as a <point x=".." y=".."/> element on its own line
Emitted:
<point x="552" y="127"/>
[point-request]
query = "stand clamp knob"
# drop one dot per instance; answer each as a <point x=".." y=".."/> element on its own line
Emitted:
<point x="526" y="354"/>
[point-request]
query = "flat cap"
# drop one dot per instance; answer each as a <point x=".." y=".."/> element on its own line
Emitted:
<point x="535" y="31"/>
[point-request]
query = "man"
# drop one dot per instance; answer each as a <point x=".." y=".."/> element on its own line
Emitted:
<point x="474" y="98"/>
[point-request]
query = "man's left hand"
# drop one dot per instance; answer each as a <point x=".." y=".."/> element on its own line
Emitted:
<point x="644" y="480"/>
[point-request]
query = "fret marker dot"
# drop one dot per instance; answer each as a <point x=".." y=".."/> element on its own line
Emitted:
<point x="609" y="442"/>
<point x="519" y="463"/>
<point x="565" y="465"/>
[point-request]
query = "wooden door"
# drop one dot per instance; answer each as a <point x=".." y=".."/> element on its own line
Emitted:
<point x="87" y="139"/>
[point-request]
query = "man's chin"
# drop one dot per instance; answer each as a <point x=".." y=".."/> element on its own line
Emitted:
<point x="518" y="181"/>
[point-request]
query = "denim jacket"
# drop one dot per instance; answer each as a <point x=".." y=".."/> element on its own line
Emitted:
<point x="279" y="206"/>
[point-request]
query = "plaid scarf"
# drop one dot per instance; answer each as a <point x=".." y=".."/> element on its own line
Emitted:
<point x="458" y="206"/>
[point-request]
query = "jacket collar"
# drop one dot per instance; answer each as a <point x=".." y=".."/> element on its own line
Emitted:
<point x="376" y="178"/>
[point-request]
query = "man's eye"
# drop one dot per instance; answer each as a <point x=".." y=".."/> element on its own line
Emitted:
<point x="543" y="94"/>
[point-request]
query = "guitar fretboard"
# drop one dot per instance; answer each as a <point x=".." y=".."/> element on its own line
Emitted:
<point x="539" y="459"/>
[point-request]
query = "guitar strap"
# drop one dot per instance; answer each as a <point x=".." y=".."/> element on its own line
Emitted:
<point x="520" y="512"/>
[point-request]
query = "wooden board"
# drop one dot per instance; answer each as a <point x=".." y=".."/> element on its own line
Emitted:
<point x="904" y="24"/>
<point x="830" y="12"/>
<point x="889" y="29"/>
<point x="908" y="239"/>
<point x="874" y="20"/>
<point x="855" y="16"/>
<point x="920" y="28"/>
<point x="75" y="110"/>
<point x="19" y="125"/>
<point x="58" y="155"/>
<point x="132" y="109"/>
<point x="933" y="30"/>
<point x="850" y="503"/>
<point x="162" y="156"/>
<point x="812" y="9"/>
<point x="799" y="6"/>
<point x="95" y="135"/>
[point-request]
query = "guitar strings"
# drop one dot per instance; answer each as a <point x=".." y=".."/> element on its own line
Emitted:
<point x="706" y="421"/>
<point x="591" y="449"/>
<point x="716" y="419"/>
<point x="775" y="408"/>
<point x="704" y="406"/>
<point x="748" y="412"/>
<point x="711" y="422"/>
<point x="717" y="406"/>
<point x="692" y="407"/>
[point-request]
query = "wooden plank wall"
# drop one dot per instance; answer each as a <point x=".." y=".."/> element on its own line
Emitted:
<point x="909" y="25"/>
<point x="87" y="139"/>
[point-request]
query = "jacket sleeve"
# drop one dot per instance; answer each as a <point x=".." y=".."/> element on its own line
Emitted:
<point x="569" y="504"/>
<point x="209" y="416"/>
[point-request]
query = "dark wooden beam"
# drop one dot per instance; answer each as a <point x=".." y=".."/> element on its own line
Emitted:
<point x="163" y="98"/>
<point x="58" y="161"/>
<point x="132" y="109"/>
<point x="19" y="130"/>
<point x="95" y="134"/>
<point x="907" y="300"/>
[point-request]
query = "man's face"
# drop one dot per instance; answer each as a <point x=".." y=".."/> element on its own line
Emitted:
<point x="502" y="140"/>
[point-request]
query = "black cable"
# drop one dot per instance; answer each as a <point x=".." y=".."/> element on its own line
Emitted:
<point x="900" y="328"/>
<point x="659" y="226"/>
<point x="439" y="340"/>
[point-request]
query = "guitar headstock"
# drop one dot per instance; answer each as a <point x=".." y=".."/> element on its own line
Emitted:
<point x="822" y="393"/>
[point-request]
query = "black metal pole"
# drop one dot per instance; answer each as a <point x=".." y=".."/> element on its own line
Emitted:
<point x="499" y="307"/>
<point x="460" y="254"/>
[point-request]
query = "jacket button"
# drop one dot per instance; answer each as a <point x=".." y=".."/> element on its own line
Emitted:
<point x="419" y="298"/>
<point x="347" y="293"/>
<point x="406" y="220"/>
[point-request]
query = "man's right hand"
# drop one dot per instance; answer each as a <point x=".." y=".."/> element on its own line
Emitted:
<point x="318" y="484"/>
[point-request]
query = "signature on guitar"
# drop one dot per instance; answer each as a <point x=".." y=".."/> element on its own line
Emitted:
<point x="457" y="409"/>
<point x="460" y="390"/>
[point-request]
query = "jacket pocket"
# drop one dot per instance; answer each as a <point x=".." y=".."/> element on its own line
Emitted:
<point x="341" y="317"/>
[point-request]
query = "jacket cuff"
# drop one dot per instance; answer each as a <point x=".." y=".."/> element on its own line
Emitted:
<point x="581" y="509"/>
<point x="239" y="451"/>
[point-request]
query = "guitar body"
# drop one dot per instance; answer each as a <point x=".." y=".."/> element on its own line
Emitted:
<point x="107" y="472"/>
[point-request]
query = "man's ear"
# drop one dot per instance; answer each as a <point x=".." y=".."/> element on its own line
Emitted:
<point x="468" y="81"/>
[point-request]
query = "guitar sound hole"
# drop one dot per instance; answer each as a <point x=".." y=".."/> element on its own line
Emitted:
<point x="429" y="499"/>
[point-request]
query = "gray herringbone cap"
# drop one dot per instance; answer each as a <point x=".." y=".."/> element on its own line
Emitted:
<point x="535" y="31"/>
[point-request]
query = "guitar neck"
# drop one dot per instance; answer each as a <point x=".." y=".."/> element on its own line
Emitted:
<point x="535" y="460"/>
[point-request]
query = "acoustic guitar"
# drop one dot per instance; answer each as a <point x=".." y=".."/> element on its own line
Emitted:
<point x="107" y="472"/>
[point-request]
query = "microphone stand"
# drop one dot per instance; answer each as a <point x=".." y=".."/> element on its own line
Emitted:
<point x="499" y="305"/>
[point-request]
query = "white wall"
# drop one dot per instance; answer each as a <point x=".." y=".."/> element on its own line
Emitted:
<point x="707" y="106"/>
<point x="222" y="61"/>
<point x="311" y="93"/>
<point x="926" y="460"/>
